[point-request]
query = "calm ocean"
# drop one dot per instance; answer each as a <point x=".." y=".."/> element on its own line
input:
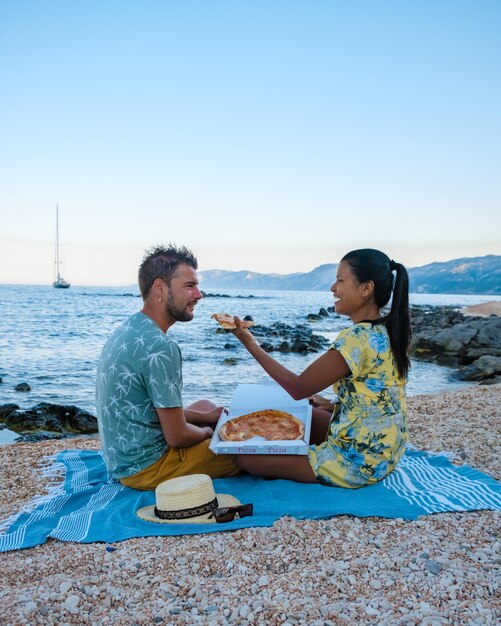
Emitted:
<point x="52" y="339"/>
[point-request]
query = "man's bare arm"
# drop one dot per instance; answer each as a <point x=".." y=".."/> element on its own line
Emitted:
<point x="177" y="432"/>
<point x="199" y="418"/>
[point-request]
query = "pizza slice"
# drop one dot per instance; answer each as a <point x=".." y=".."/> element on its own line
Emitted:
<point x="227" y="322"/>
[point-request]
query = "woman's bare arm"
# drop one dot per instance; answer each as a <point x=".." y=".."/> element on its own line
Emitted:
<point x="324" y="371"/>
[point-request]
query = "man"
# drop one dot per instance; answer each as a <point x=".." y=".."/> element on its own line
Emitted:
<point x="147" y="436"/>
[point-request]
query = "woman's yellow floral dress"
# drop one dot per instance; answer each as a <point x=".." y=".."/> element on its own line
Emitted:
<point x="368" y="429"/>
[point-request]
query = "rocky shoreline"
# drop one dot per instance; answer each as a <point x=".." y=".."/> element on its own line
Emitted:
<point x="469" y="341"/>
<point x="439" y="569"/>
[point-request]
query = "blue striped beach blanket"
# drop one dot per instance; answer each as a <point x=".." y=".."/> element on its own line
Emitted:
<point x="86" y="507"/>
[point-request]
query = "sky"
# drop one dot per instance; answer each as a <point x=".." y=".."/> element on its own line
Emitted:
<point x="270" y="136"/>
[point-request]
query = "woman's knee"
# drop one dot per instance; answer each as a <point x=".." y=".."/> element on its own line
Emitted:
<point x="246" y="463"/>
<point x="202" y="405"/>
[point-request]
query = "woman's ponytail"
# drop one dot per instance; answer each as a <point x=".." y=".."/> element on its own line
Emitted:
<point x="398" y="320"/>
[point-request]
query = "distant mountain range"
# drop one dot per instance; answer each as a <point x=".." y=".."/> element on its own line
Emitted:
<point x="476" y="275"/>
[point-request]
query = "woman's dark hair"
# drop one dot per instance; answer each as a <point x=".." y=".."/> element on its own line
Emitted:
<point x="368" y="264"/>
<point x="162" y="262"/>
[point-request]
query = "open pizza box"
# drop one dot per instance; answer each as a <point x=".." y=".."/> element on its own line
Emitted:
<point x="249" y="397"/>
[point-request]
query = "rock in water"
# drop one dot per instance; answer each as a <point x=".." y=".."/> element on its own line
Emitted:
<point x="7" y="409"/>
<point x="444" y="335"/>
<point x="22" y="387"/>
<point x="485" y="367"/>
<point x="54" y="418"/>
<point x="285" y="338"/>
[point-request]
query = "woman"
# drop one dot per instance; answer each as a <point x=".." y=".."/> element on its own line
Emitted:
<point x="359" y="440"/>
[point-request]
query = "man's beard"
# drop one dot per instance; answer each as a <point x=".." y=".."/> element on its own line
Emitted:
<point x="177" y="313"/>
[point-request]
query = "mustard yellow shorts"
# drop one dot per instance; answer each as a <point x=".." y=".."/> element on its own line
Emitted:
<point x="183" y="461"/>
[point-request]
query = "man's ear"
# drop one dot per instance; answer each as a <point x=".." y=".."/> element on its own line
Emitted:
<point x="159" y="289"/>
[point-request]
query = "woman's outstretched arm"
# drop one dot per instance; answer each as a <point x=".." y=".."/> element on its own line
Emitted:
<point x="324" y="371"/>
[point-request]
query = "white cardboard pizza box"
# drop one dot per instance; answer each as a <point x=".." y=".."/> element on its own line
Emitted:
<point x="249" y="397"/>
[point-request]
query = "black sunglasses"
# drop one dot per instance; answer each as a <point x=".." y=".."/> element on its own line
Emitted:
<point x="228" y="513"/>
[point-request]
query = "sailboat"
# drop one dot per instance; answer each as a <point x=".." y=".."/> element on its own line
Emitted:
<point x="59" y="283"/>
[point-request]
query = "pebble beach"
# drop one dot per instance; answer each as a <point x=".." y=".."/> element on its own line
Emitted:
<point x="439" y="569"/>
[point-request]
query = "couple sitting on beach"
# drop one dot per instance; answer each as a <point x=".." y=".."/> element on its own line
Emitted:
<point x="148" y="436"/>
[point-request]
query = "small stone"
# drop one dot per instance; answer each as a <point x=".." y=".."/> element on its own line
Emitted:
<point x="433" y="567"/>
<point x="71" y="604"/>
<point x="299" y="533"/>
<point x="65" y="586"/>
<point x="263" y="581"/>
<point x="29" y="607"/>
<point x="370" y="610"/>
<point x="342" y="565"/>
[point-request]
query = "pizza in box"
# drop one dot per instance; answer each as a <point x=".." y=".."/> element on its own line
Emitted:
<point x="271" y="424"/>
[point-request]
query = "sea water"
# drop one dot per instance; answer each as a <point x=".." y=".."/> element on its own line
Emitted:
<point x="52" y="338"/>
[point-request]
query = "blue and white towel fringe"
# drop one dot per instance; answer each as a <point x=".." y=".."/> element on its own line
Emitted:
<point x="86" y="507"/>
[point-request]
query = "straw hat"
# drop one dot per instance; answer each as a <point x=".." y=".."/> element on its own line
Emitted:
<point x="186" y="500"/>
